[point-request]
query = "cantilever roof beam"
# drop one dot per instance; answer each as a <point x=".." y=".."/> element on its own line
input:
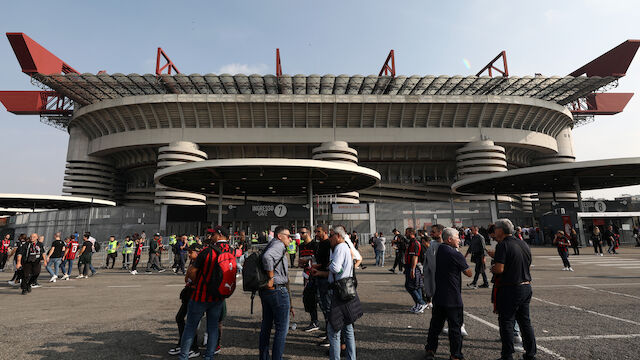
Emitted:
<point x="34" y="58"/>
<point x="614" y="62"/>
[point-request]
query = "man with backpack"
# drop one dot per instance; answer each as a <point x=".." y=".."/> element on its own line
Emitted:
<point x="276" y="302"/>
<point x="213" y="274"/>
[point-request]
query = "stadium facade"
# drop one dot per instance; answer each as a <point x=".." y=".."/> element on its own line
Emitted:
<point x="420" y="133"/>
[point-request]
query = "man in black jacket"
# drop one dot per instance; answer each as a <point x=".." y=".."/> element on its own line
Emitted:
<point x="478" y="252"/>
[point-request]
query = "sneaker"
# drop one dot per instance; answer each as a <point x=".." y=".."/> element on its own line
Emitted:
<point x="322" y="337"/>
<point x="311" y="327"/>
<point x="174" y="351"/>
<point x="517" y="339"/>
<point x="65" y="277"/>
<point x="324" y="343"/>
<point x="464" y="331"/>
<point x="429" y="306"/>
<point x="472" y="286"/>
<point x="161" y="270"/>
<point x="35" y="286"/>
<point x="601" y="254"/>
<point x="11" y="282"/>
<point x="148" y="271"/>
<point x="133" y="272"/>
<point x="193" y="354"/>
<point x="94" y="273"/>
<point x="570" y="269"/>
<point x="420" y="309"/>
<point x="25" y="292"/>
<point x="174" y="270"/>
<point x="564" y="269"/>
<point x="218" y="349"/>
<point x="413" y="309"/>
<point x="484" y="286"/>
<point x="79" y="276"/>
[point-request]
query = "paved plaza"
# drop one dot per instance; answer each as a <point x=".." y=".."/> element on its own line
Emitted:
<point x="592" y="313"/>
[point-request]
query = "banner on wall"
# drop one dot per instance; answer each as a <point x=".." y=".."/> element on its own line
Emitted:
<point x="566" y="224"/>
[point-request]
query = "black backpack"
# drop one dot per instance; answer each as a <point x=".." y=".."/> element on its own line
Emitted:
<point x="254" y="277"/>
<point x="96" y="246"/>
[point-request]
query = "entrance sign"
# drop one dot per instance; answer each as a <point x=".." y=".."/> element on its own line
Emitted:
<point x="600" y="206"/>
<point x="349" y="208"/>
<point x="280" y="210"/>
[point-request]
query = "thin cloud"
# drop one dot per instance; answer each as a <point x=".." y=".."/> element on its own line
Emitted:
<point x="246" y="69"/>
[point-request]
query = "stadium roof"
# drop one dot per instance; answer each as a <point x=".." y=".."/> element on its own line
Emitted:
<point x="49" y="202"/>
<point x="89" y="88"/>
<point x="258" y="176"/>
<point x="592" y="175"/>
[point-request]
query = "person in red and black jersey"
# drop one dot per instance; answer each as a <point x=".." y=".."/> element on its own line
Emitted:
<point x="414" y="281"/>
<point x="307" y="252"/>
<point x="203" y="299"/>
<point x="69" y="256"/>
<point x="137" y="251"/>
<point x="562" y="242"/>
<point x="28" y="259"/>
<point x="4" y="251"/>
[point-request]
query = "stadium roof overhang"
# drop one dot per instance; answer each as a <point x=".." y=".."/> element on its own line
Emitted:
<point x="267" y="177"/>
<point x="584" y="175"/>
<point x="31" y="202"/>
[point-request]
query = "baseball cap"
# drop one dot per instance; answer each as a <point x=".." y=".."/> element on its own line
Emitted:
<point x="221" y="230"/>
<point x="195" y="247"/>
<point x="156" y="234"/>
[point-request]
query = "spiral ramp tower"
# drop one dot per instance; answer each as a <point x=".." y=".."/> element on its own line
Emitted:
<point x="176" y="153"/>
<point x="339" y="151"/>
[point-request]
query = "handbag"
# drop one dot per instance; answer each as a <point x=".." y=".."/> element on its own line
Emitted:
<point x="345" y="289"/>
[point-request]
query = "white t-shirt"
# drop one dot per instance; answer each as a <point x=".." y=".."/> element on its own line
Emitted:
<point x="341" y="265"/>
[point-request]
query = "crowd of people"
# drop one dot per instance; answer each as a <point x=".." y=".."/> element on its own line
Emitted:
<point x="432" y="264"/>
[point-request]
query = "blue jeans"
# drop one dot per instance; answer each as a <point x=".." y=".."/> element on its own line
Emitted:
<point x="275" y="310"/>
<point x="416" y="295"/>
<point x="379" y="257"/>
<point x="334" y="341"/>
<point x="93" y="271"/>
<point x="67" y="263"/>
<point x="54" y="263"/>
<point x="195" y="311"/>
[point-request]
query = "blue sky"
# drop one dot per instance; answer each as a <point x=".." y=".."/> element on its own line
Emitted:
<point x="338" y="37"/>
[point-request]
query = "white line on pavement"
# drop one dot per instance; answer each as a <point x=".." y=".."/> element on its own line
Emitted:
<point x="58" y="287"/>
<point x="176" y="285"/>
<point x="589" y="311"/>
<point x="496" y="327"/>
<point x="572" y="285"/>
<point x="373" y="281"/>
<point x="609" y="292"/>
<point x="124" y="286"/>
<point x="586" y="337"/>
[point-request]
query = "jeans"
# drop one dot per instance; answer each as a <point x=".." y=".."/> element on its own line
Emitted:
<point x="69" y="264"/>
<point x="379" y="257"/>
<point x="93" y="270"/>
<point x="564" y="255"/>
<point x="512" y="303"/>
<point x="324" y="296"/>
<point x="180" y="320"/>
<point x="54" y="264"/>
<point x="195" y="311"/>
<point x="275" y="310"/>
<point x="416" y="295"/>
<point x="334" y="340"/>
<point x="239" y="264"/>
<point x="480" y="267"/>
<point x="454" y="316"/>
<point x="182" y="258"/>
<point x="126" y="259"/>
<point x="154" y="262"/>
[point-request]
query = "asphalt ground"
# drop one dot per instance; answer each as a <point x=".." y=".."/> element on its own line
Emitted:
<point x="592" y="313"/>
